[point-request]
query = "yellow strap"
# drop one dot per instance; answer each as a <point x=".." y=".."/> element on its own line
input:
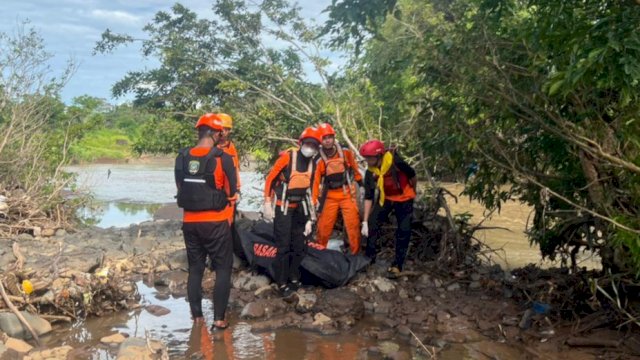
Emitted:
<point x="385" y="166"/>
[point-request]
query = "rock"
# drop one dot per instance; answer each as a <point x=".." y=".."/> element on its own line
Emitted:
<point x="382" y="307"/>
<point x="443" y="316"/>
<point x="475" y="285"/>
<point x="248" y="282"/>
<point x="437" y="283"/>
<point x="61" y="232"/>
<point x="339" y="302"/>
<point x="384" y="334"/>
<point x="116" y="338"/>
<point x="17" y="345"/>
<point x="453" y="287"/>
<point x="388" y="347"/>
<point x="162" y="268"/>
<point x="306" y="302"/>
<point x="82" y="260"/>
<point x="24" y="237"/>
<point x="321" y="319"/>
<point x="137" y="349"/>
<point x="418" y="298"/>
<point x="403" y="330"/>
<point x="384" y="285"/>
<point x="61" y="352"/>
<point x="37" y="230"/>
<point x="399" y="355"/>
<point x="253" y="310"/>
<point x="3" y="349"/>
<point x="476" y="277"/>
<point x="47" y="232"/>
<point x="492" y="350"/>
<point x="424" y="279"/>
<point x="403" y="294"/>
<point x="178" y="260"/>
<point x="11" y="325"/>
<point x="157" y="310"/>
<point x="458" y="330"/>
<point x="264" y="291"/>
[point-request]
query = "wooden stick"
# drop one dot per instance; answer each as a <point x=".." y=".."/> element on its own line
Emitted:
<point x="19" y="315"/>
<point x="19" y="257"/>
<point x="431" y="355"/>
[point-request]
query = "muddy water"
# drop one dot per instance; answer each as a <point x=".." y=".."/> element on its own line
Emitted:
<point x="507" y="238"/>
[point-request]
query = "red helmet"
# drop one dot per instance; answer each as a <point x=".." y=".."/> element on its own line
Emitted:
<point x="326" y="129"/>
<point x="372" y="148"/>
<point x="210" y="120"/>
<point x="311" y="133"/>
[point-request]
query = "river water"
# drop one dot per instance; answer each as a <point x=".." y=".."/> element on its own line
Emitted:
<point x="126" y="194"/>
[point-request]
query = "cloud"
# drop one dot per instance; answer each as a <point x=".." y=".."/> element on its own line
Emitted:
<point x="119" y="16"/>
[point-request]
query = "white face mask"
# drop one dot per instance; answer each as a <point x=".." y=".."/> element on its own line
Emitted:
<point x="308" y="151"/>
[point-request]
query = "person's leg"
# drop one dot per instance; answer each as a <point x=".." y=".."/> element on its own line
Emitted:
<point x="298" y="244"/>
<point x="220" y="249"/>
<point x="196" y="256"/>
<point x="379" y="215"/>
<point x="404" y="216"/>
<point x="351" y="219"/>
<point x="327" y="220"/>
<point x="282" y="238"/>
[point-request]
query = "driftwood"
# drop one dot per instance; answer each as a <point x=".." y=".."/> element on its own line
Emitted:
<point x="592" y="342"/>
<point x="18" y="314"/>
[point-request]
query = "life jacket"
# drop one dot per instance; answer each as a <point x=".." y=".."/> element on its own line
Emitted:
<point x="336" y="169"/>
<point x="196" y="183"/>
<point x="298" y="182"/>
<point x="395" y="181"/>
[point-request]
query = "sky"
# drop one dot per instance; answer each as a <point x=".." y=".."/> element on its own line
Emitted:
<point x="71" y="28"/>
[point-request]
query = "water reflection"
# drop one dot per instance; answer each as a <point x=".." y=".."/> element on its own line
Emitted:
<point x="118" y="214"/>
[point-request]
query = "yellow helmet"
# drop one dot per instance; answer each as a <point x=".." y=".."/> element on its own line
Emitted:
<point x="227" y="121"/>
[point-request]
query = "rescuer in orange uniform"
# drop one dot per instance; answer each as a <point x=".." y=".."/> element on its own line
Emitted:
<point x="206" y="180"/>
<point x="290" y="181"/>
<point x="227" y="145"/>
<point x="336" y="172"/>
<point x="394" y="182"/>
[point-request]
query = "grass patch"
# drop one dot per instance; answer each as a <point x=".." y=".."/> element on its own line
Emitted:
<point x="113" y="144"/>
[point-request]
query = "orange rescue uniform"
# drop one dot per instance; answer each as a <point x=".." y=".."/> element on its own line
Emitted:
<point x="341" y="198"/>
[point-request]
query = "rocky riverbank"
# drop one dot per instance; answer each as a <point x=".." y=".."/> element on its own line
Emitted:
<point x="93" y="272"/>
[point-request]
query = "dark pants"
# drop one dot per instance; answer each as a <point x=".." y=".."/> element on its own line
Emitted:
<point x="288" y="234"/>
<point x="404" y="212"/>
<point x="212" y="239"/>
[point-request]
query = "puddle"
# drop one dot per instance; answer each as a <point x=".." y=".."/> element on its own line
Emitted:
<point x="238" y="342"/>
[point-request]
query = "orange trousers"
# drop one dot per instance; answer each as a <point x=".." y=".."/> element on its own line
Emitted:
<point x="336" y="200"/>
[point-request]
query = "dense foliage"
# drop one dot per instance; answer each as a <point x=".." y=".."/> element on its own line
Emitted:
<point x="540" y="96"/>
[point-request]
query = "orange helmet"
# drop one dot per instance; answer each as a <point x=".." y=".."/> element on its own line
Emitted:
<point x="226" y="119"/>
<point x="210" y="120"/>
<point x="311" y="133"/>
<point x="326" y="129"/>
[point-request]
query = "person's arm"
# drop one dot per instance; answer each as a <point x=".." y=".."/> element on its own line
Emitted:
<point x="317" y="179"/>
<point x="236" y="161"/>
<point x="230" y="172"/>
<point x="369" y="193"/>
<point x="353" y="164"/>
<point x="281" y="164"/>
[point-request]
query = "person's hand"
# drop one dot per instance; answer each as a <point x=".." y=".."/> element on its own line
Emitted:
<point x="238" y="197"/>
<point x="308" y="228"/>
<point x="267" y="211"/>
<point x="364" y="230"/>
